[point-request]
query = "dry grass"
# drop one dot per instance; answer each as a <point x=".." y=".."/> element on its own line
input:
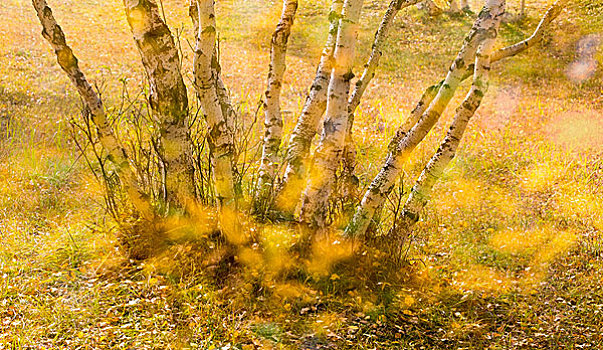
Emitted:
<point x="508" y="254"/>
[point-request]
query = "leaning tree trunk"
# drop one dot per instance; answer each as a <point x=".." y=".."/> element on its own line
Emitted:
<point x="273" y="119"/>
<point x="308" y="123"/>
<point x="370" y="68"/>
<point x="168" y="97"/>
<point x="421" y="191"/>
<point x="383" y="183"/>
<point x="69" y="63"/>
<point x="209" y="88"/>
<point x="315" y="199"/>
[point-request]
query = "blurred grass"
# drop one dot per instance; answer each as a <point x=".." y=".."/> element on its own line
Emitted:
<point x="508" y="254"/>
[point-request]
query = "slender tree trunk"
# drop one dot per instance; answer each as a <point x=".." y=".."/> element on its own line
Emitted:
<point x="421" y="191"/>
<point x="53" y="33"/>
<point x="553" y="12"/>
<point x="207" y="86"/>
<point x="308" y="122"/>
<point x="273" y="120"/>
<point x="383" y="183"/>
<point x="370" y="68"/>
<point x="322" y="175"/>
<point x="168" y="97"/>
<point x="228" y="111"/>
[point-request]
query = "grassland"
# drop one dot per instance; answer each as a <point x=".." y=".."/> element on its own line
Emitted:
<point x="507" y="255"/>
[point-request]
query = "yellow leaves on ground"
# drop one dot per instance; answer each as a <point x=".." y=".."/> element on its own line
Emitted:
<point x="518" y="241"/>
<point x="460" y="193"/>
<point x="325" y="253"/>
<point x="483" y="278"/>
<point x="540" y="245"/>
<point x="539" y="177"/>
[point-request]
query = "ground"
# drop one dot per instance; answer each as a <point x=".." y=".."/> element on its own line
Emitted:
<point x="508" y="253"/>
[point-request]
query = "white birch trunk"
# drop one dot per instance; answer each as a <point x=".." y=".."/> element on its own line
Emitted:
<point x="383" y="183"/>
<point x="308" y="123"/>
<point x="53" y="33"/>
<point x="421" y="191"/>
<point x="315" y="199"/>
<point x="219" y="138"/>
<point x="349" y="153"/>
<point x="553" y="12"/>
<point x="168" y="97"/>
<point x="273" y="120"/>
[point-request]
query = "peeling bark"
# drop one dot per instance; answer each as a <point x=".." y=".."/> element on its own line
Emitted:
<point x="207" y="86"/>
<point x="168" y="97"/>
<point x="53" y="33"/>
<point x="383" y="183"/>
<point x="315" y="199"/>
<point x="308" y="122"/>
<point x="273" y="120"/>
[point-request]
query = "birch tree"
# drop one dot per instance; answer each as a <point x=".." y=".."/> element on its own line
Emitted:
<point x="421" y="191"/>
<point x="168" y="96"/>
<point x="382" y="185"/>
<point x="427" y="112"/>
<point x="309" y="188"/>
<point x="117" y="154"/>
<point x="209" y="88"/>
<point x="463" y="5"/>
<point x="322" y="174"/>
<point x="370" y="69"/>
<point x="308" y="122"/>
<point x="273" y="119"/>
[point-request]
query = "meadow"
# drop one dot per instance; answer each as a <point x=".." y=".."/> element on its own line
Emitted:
<point x="507" y="255"/>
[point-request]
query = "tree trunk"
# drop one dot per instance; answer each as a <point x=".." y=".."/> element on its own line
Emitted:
<point x="322" y="174"/>
<point x="273" y="120"/>
<point x="307" y="125"/>
<point x="383" y="183"/>
<point x="168" y="97"/>
<point x="349" y="153"/>
<point x="207" y="86"/>
<point x="421" y="191"/>
<point x="53" y="33"/>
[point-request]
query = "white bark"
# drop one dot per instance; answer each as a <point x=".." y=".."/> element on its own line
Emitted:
<point x="308" y="122"/>
<point x="206" y="85"/>
<point x="553" y="12"/>
<point x="273" y="120"/>
<point x="421" y="191"/>
<point x="370" y="68"/>
<point x="322" y="174"/>
<point x="383" y="183"/>
<point x="53" y="33"/>
<point x="168" y="97"/>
